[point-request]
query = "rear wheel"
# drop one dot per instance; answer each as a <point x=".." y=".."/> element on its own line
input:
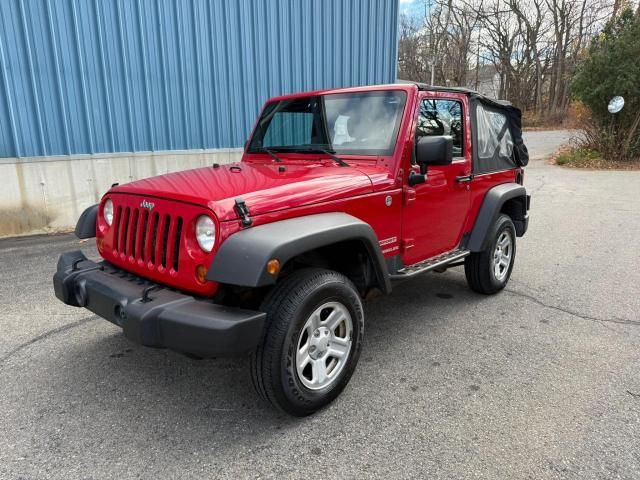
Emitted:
<point x="311" y="343"/>
<point x="488" y="271"/>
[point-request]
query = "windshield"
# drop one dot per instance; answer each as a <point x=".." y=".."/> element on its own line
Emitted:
<point x="363" y="123"/>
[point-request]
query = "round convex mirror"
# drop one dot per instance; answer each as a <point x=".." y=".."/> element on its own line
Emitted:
<point x="616" y="104"/>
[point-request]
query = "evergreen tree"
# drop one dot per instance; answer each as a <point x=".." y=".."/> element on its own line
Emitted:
<point x="610" y="68"/>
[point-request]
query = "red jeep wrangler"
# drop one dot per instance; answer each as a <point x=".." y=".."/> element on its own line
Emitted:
<point x="339" y="193"/>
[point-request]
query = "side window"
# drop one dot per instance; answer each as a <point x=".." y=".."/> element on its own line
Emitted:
<point x="289" y="128"/>
<point x="442" y="117"/>
<point x="495" y="144"/>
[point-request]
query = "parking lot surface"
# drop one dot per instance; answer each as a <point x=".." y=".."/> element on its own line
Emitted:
<point x="540" y="381"/>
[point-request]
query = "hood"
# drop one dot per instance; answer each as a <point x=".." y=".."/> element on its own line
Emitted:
<point x="263" y="186"/>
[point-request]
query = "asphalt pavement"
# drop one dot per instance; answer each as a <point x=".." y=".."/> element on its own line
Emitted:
<point x="539" y="381"/>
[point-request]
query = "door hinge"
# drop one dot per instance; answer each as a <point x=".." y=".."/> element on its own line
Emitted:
<point x="406" y="244"/>
<point x="409" y="195"/>
<point x="244" y="213"/>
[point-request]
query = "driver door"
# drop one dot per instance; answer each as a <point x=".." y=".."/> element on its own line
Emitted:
<point x="435" y="212"/>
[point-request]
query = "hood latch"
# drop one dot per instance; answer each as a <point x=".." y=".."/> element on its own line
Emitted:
<point x="243" y="211"/>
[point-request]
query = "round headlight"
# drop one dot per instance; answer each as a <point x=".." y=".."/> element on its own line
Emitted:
<point x="108" y="212"/>
<point x="205" y="233"/>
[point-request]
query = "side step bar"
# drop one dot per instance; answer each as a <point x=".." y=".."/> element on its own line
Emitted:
<point x="429" y="264"/>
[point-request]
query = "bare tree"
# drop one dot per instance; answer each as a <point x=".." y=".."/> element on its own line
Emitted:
<point x="532" y="45"/>
<point x="534" y="30"/>
<point x="411" y="50"/>
<point x="461" y="22"/>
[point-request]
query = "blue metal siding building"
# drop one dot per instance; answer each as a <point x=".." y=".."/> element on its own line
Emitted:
<point x="92" y="76"/>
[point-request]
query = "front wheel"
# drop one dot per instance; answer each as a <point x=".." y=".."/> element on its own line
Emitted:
<point x="312" y="341"/>
<point x="488" y="271"/>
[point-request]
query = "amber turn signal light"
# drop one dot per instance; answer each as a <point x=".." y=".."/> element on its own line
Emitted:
<point x="201" y="273"/>
<point x="273" y="266"/>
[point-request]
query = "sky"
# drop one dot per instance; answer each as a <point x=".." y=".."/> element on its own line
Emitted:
<point x="411" y="7"/>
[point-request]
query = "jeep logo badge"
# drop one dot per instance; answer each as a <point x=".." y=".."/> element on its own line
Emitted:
<point x="147" y="205"/>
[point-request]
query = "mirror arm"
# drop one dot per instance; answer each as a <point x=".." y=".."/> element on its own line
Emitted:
<point x="417" y="178"/>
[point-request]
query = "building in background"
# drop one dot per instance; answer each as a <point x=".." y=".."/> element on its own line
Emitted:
<point x="96" y="92"/>
<point x="486" y="80"/>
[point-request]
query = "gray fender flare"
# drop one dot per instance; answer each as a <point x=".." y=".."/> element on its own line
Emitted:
<point x="490" y="210"/>
<point x="242" y="258"/>
<point x="86" y="226"/>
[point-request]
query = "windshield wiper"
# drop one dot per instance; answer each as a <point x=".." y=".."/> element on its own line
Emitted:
<point x="337" y="159"/>
<point x="315" y="149"/>
<point x="308" y="149"/>
<point x="270" y="152"/>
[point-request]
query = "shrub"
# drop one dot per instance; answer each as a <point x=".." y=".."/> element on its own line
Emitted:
<point x="577" y="156"/>
<point x="611" y="68"/>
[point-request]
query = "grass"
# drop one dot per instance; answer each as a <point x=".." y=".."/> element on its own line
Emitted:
<point x="582" y="157"/>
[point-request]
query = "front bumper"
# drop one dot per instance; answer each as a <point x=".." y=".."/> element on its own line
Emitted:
<point x="152" y="315"/>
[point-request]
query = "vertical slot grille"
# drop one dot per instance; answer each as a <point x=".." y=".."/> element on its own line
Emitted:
<point x="165" y="238"/>
<point x="151" y="238"/>
<point x="154" y="237"/>
<point x="176" y="244"/>
<point x="134" y="232"/>
<point x="125" y="231"/>
<point x="116" y="232"/>
<point x="144" y="249"/>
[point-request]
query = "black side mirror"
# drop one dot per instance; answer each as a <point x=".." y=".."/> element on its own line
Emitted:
<point x="434" y="151"/>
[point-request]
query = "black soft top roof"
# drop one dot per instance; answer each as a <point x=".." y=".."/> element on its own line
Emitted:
<point x="464" y="90"/>
<point x="514" y="125"/>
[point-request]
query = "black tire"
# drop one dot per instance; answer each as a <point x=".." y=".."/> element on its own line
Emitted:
<point x="288" y="306"/>
<point x="479" y="266"/>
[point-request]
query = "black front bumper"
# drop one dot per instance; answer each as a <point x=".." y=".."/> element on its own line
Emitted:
<point x="152" y="315"/>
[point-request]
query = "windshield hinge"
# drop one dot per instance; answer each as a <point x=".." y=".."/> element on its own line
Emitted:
<point x="243" y="211"/>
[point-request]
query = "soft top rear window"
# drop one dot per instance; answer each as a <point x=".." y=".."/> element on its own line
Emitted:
<point x="497" y="136"/>
<point x="495" y="145"/>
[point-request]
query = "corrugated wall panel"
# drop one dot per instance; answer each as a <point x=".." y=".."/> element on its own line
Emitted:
<point x="92" y="76"/>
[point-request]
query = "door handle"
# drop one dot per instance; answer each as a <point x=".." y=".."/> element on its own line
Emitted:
<point x="464" y="178"/>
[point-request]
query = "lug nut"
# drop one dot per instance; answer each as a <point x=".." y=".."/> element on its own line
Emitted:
<point x="312" y="349"/>
<point x="316" y="333"/>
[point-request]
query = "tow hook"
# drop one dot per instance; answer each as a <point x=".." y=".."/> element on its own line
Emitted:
<point x="243" y="211"/>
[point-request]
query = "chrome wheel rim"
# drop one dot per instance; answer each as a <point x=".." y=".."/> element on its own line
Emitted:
<point x="324" y="345"/>
<point x="502" y="256"/>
